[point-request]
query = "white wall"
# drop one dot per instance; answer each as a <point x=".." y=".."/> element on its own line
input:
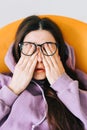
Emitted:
<point x="11" y="10"/>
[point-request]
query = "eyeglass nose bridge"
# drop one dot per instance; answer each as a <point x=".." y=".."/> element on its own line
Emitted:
<point x="39" y="45"/>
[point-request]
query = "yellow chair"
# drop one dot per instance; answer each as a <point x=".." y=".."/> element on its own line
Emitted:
<point x="74" y="32"/>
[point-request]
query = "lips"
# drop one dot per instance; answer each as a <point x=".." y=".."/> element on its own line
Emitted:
<point x="39" y="69"/>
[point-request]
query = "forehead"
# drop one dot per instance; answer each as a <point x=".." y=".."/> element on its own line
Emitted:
<point x="39" y="36"/>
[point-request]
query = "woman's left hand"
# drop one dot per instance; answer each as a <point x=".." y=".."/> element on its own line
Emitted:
<point x="53" y="66"/>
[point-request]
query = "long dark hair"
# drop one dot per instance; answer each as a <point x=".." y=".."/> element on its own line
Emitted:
<point x="59" y="117"/>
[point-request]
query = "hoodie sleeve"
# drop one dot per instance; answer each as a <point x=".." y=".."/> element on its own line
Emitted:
<point x="73" y="98"/>
<point x="7" y="97"/>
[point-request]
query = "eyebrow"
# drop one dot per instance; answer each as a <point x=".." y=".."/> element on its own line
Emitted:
<point x="39" y="44"/>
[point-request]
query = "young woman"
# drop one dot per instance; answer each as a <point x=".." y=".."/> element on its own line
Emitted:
<point x="42" y="92"/>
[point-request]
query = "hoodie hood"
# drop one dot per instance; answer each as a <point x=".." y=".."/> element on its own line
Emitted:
<point x="9" y="59"/>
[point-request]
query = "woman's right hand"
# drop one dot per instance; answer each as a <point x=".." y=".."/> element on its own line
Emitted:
<point x="23" y="73"/>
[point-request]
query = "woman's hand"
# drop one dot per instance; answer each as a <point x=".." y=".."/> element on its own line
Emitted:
<point x="23" y="73"/>
<point x="53" y="66"/>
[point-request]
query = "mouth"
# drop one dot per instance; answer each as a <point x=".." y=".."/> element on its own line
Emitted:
<point x="39" y="70"/>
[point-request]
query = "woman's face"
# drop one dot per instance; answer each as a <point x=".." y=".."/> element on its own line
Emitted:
<point x="39" y="37"/>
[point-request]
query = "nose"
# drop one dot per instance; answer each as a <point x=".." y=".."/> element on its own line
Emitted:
<point x="39" y="59"/>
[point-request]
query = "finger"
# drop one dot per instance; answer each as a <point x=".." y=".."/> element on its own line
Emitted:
<point x="31" y="60"/>
<point x="31" y="50"/>
<point x="23" y="61"/>
<point x="47" y="49"/>
<point x="28" y="49"/>
<point x="53" y="60"/>
<point x="31" y="70"/>
<point x="48" y="58"/>
<point x="52" y="48"/>
<point x="20" y="60"/>
<point x="26" y="58"/>
<point x="45" y="62"/>
<point x="23" y="57"/>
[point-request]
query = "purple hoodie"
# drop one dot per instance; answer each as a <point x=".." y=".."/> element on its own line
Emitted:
<point x="28" y="110"/>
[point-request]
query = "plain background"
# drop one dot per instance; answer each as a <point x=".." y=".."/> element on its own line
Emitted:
<point x="12" y="10"/>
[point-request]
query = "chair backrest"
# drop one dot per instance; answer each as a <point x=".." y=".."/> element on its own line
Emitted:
<point x="74" y="32"/>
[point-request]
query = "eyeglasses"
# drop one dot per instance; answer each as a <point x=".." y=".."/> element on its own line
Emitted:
<point x="26" y="46"/>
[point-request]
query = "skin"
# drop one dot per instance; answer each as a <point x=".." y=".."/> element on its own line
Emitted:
<point x="27" y="66"/>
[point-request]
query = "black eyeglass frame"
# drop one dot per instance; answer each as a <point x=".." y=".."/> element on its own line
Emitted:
<point x="40" y="45"/>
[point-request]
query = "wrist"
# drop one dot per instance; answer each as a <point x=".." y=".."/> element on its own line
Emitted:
<point x="13" y="90"/>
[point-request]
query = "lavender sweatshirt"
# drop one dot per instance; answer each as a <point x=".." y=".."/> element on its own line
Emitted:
<point x="28" y="110"/>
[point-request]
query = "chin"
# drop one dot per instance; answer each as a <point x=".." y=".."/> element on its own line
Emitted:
<point x="39" y="77"/>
